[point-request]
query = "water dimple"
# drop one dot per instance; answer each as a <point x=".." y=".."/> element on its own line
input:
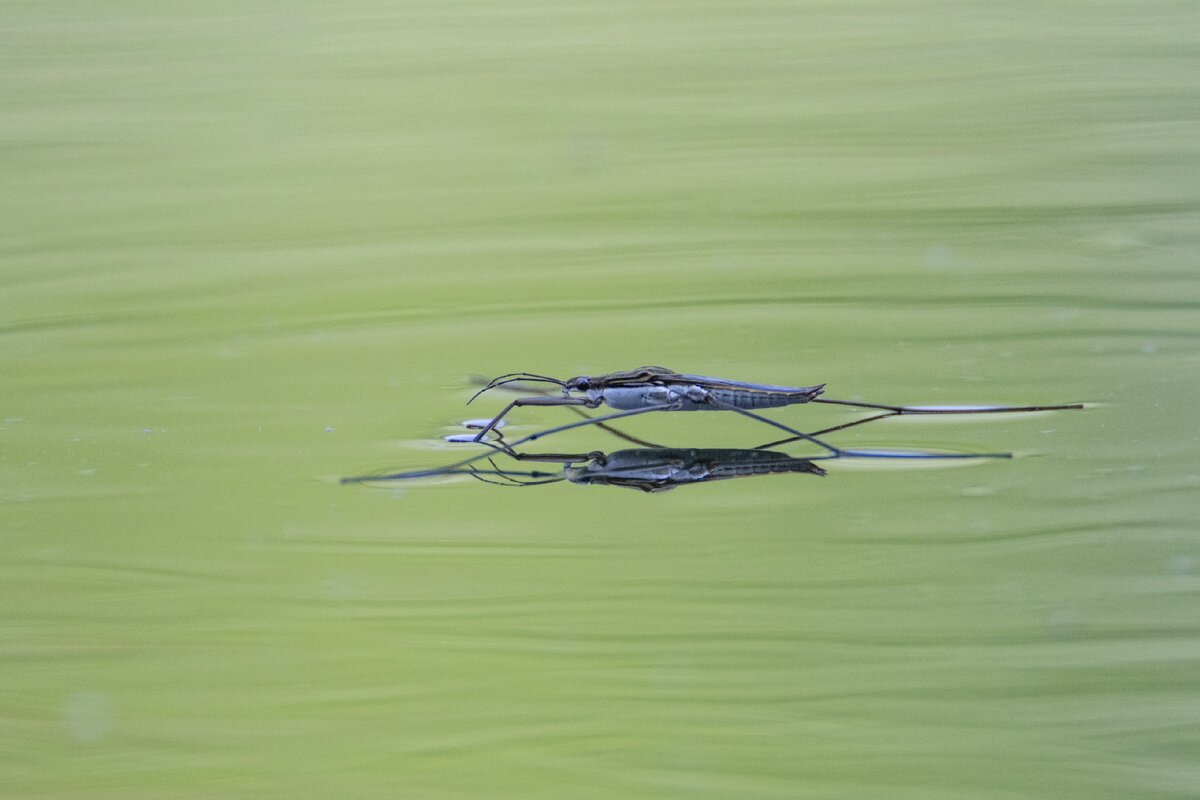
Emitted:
<point x="477" y="424"/>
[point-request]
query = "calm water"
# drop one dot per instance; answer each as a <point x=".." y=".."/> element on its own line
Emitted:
<point x="250" y="250"/>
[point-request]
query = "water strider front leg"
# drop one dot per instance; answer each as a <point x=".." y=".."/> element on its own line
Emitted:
<point x="535" y="401"/>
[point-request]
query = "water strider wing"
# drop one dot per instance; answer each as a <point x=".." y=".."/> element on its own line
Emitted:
<point x="662" y="375"/>
<point x="724" y="383"/>
<point x="637" y="377"/>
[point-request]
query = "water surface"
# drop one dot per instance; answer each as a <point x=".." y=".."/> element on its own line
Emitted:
<point x="248" y="251"/>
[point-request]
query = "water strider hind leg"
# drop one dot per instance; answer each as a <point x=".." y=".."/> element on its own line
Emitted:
<point x="905" y="410"/>
<point x="824" y="431"/>
<point x="767" y="421"/>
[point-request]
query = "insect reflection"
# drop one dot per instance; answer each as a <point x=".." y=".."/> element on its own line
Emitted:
<point x="653" y="468"/>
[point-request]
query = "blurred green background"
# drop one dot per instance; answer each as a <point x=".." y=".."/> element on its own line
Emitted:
<point x="248" y="248"/>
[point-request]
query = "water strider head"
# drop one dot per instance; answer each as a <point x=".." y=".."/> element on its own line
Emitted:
<point x="580" y="383"/>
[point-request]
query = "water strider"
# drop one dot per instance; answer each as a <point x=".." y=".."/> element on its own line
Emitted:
<point x="647" y="389"/>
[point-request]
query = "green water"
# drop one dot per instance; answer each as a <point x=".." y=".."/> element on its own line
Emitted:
<point x="250" y="249"/>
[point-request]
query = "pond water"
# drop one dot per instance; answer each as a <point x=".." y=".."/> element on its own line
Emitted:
<point x="250" y="250"/>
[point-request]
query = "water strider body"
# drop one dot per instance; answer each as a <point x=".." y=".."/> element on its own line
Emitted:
<point x="691" y="393"/>
<point x="660" y="389"/>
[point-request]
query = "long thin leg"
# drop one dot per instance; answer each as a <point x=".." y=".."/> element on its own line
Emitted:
<point x="596" y="421"/>
<point x="507" y="385"/>
<point x="619" y="434"/>
<point x="506" y="447"/>
<point x="824" y="431"/>
<point x="914" y="455"/>
<point x="451" y="469"/>
<point x="795" y="433"/>
<point x="509" y="476"/>
<point x="835" y="452"/>
<point x="896" y="410"/>
<point x="509" y="482"/>
<point x="556" y="458"/>
<point x="868" y="454"/>
<point x="478" y="474"/>
<point x="534" y="401"/>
